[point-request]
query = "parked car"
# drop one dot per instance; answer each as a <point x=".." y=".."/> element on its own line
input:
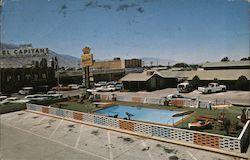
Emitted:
<point x="74" y="86"/>
<point x="26" y="91"/>
<point x="3" y="98"/>
<point x="8" y="100"/>
<point x="112" y="83"/>
<point x="54" y="94"/>
<point x="109" y="88"/>
<point x="61" y="88"/>
<point x="119" y="86"/>
<point x="178" y="96"/>
<point x="101" y="83"/>
<point x="35" y="97"/>
<point x="92" y="90"/>
<point x="184" y="87"/>
<point x="212" y="88"/>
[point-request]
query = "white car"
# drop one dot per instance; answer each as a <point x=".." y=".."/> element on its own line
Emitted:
<point x="105" y="89"/>
<point x="91" y="90"/>
<point x="35" y="97"/>
<point x="101" y="83"/>
<point x="8" y="100"/>
<point x="74" y="86"/>
<point x="3" y="98"/>
<point x="54" y="94"/>
<point x="178" y="96"/>
<point x="26" y="90"/>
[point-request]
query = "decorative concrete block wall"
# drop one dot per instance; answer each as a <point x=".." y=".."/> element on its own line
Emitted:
<point x="126" y="125"/>
<point x="227" y="143"/>
<point x="206" y="140"/>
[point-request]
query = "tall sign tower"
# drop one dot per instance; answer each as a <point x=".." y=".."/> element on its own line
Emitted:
<point x="87" y="62"/>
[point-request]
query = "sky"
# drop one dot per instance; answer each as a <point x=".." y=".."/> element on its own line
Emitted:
<point x="190" y="31"/>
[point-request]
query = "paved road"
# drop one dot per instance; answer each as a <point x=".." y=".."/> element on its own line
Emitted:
<point x="31" y="136"/>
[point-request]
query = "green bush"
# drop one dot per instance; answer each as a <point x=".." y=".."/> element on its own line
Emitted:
<point x="49" y="101"/>
<point x="11" y="107"/>
<point x="242" y="83"/>
<point x="196" y="82"/>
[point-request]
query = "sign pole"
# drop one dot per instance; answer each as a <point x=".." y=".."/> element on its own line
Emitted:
<point x="87" y="61"/>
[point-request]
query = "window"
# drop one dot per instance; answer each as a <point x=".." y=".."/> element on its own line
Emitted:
<point x="8" y="78"/>
<point x="27" y="76"/>
<point x="18" y="77"/>
<point x="36" y="77"/>
<point x="44" y="76"/>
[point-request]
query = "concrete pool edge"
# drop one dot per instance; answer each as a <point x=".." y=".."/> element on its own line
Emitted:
<point x="200" y="147"/>
<point x="111" y="104"/>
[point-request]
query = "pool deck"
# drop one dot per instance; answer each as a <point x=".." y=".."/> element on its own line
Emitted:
<point x="31" y="136"/>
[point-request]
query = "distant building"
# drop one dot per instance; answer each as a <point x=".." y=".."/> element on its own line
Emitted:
<point x="115" y="69"/>
<point x="13" y="79"/>
<point x="227" y="65"/>
<point x="25" y="66"/>
<point x="133" y="63"/>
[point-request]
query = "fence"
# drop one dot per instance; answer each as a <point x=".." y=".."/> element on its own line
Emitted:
<point x="178" y="102"/>
<point x="182" y="135"/>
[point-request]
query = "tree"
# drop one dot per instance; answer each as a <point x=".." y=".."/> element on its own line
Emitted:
<point x="242" y="83"/>
<point x="225" y="59"/>
<point x="245" y="59"/>
<point x="243" y="118"/>
<point x="215" y="80"/>
<point x="226" y="124"/>
<point x="181" y="65"/>
<point x="195" y="82"/>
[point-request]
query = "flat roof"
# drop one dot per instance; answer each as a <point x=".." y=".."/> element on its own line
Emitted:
<point x="226" y="74"/>
<point x="227" y="64"/>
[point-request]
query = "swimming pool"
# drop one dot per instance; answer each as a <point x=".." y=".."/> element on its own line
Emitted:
<point x="142" y="114"/>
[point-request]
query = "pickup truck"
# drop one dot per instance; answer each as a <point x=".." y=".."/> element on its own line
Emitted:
<point x="212" y="88"/>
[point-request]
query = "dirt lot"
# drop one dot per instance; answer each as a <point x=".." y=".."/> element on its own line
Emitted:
<point x="31" y="136"/>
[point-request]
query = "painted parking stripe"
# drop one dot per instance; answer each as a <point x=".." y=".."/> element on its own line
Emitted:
<point x="149" y="154"/>
<point x="110" y="147"/>
<point x="57" y="142"/>
<point x="56" y="128"/>
<point x="79" y="137"/>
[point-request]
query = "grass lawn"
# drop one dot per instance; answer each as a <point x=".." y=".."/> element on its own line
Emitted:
<point x="86" y="106"/>
<point x="11" y="107"/>
<point x="230" y="113"/>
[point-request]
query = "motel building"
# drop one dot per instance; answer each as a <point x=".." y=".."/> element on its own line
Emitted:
<point x="235" y="75"/>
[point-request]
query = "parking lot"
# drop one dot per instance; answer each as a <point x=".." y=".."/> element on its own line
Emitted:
<point x="236" y="97"/>
<point x="26" y="135"/>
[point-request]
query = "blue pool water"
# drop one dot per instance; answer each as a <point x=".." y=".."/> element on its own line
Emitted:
<point x="142" y="114"/>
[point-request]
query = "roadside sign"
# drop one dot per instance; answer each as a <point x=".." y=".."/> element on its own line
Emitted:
<point x="87" y="60"/>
